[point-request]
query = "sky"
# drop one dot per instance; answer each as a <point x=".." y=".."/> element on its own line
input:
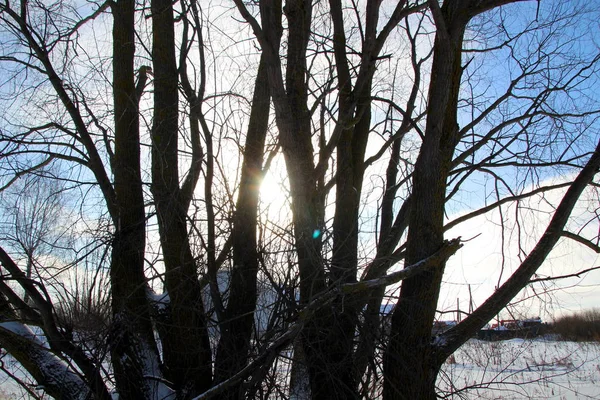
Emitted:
<point x="490" y="254"/>
<point x="481" y="260"/>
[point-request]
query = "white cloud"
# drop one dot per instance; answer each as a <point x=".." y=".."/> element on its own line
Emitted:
<point x="494" y="252"/>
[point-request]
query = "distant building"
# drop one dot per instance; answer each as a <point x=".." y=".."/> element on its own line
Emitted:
<point x="440" y="327"/>
<point x="512" y="328"/>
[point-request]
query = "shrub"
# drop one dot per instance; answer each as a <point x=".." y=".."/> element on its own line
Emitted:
<point x="84" y="313"/>
<point x="579" y="327"/>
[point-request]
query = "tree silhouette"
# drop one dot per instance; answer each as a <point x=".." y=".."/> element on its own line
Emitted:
<point x="379" y="116"/>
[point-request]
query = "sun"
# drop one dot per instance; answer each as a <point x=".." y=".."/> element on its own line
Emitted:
<point x="274" y="193"/>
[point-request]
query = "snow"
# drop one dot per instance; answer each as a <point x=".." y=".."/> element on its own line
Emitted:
<point x="159" y="300"/>
<point x="53" y="368"/>
<point x="157" y="387"/>
<point x="523" y="369"/>
<point x="510" y="369"/>
<point x="21" y="330"/>
<point x="57" y="370"/>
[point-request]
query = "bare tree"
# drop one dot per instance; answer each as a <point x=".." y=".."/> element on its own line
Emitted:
<point x="33" y="209"/>
<point x="381" y="115"/>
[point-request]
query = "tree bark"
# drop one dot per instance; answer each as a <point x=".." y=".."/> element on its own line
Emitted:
<point x="186" y="348"/>
<point x="132" y="330"/>
<point x="410" y="366"/>
<point x="411" y="362"/>
<point x="46" y="368"/>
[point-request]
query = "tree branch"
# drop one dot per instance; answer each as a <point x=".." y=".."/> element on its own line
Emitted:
<point x="553" y="278"/>
<point x="588" y="243"/>
<point x="456" y="336"/>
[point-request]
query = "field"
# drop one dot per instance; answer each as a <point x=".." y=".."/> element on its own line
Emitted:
<point x="523" y="369"/>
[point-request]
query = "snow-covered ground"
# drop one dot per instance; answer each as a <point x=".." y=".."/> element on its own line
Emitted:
<point x="9" y="389"/>
<point x="510" y="369"/>
<point x="523" y="369"/>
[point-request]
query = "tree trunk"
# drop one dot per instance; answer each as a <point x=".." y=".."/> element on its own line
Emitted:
<point x="410" y="362"/>
<point x="49" y="371"/>
<point x="237" y="326"/>
<point x="186" y="350"/>
<point x="133" y="338"/>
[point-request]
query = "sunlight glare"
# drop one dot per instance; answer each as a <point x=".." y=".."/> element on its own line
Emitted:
<point x="273" y="191"/>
